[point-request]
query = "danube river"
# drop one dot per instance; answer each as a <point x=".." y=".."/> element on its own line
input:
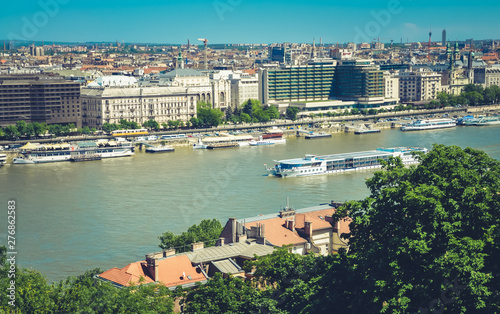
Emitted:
<point x="72" y="217"/>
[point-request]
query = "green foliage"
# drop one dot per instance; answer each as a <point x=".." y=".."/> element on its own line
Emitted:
<point x="207" y="231"/>
<point x="82" y="294"/>
<point x="291" y="113"/>
<point x="229" y="295"/>
<point x="473" y="95"/>
<point x="430" y="231"/>
<point x="207" y="116"/>
<point x="150" y="124"/>
<point x="108" y="127"/>
<point x="11" y="132"/>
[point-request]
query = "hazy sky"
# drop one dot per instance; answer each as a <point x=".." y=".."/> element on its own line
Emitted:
<point x="245" y="21"/>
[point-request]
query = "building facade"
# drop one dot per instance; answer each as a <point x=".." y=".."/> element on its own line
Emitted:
<point x="138" y="104"/>
<point x="243" y="88"/>
<point x="296" y="83"/>
<point x="420" y="85"/>
<point x="487" y="76"/>
<point x="359" y="80"/>
<point x="391" y="86"/>
<point x="51" y="100"/>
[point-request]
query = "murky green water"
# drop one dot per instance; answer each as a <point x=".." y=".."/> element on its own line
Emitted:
<point x="77" y="216"/>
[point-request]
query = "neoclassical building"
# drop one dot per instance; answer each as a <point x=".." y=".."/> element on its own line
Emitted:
<point x="138" y="104"/>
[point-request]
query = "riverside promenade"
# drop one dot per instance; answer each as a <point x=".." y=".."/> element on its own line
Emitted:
<point x="286" y="123"/>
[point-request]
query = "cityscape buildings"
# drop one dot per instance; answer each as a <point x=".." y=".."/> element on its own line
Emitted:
<point x="314" y="78"/>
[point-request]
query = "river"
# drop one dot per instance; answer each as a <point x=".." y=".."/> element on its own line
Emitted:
<point x="72" y="217"/>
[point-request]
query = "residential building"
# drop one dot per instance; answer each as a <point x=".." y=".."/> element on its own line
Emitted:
<point x="172" y="271"/>
<point x="391" y="86"/>
<point x="419" y="85"/>
<point x="138" y="104"/>
<point x="487" y="76"/>
<point x="305" y="230"/>
<point x="188" y="268"/>
<point x="243" y="88"/>
<point x="48" y="99"/>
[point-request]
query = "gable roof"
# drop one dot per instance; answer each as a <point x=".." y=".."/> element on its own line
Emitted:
<point x="128" y="275"/>
<point x="276" y="233"/>
<point x="172" y="271"/>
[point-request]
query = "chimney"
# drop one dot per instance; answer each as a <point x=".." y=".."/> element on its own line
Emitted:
<point x="242" y="238"/>
<point x="152" y="265"/>
<point x="308" y="229"/>
<point x="261" y="235"/>
<point x="167" y="253"/>
<point x="220" y="242"/>
<point x="197" y="246"/>
<point x="233" y="229"/>
<point x="290" y="225"/>
<point x="329" y="219"/>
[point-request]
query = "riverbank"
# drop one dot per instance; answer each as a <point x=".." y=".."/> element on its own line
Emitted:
<point x="326" y="124"/>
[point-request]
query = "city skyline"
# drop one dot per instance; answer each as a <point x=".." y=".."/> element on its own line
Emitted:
<point x="238" y="21"/>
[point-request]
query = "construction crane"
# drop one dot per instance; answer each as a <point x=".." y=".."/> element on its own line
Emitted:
<point x="204" y="40"/>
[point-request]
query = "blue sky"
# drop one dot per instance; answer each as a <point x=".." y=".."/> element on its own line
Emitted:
<point x="245" y="21"/>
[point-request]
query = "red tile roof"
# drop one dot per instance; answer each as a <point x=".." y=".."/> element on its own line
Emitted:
<point x="172" y="271"/>
<point x="276" y="233"/>
<point x="128" y="275"/>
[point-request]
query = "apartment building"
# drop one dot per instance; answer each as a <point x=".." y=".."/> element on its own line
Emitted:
<point x="39" y="99"/>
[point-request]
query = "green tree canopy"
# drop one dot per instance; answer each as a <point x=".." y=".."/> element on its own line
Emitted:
<point x="207" y="116"/>
<point x="207" y="231"/>
<point x="430" y="231"/>
<point x="291" y="113"/>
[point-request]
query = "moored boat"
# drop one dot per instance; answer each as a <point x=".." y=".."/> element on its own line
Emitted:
<point x="160" y="149"/>
<point x="316" y="165"/>
<point x="317" y="135"/>
<point x="429" y="124"/>
<point x="3" y="159"/>
<point x="492" y="120"/>
<point x="82" y="151"/>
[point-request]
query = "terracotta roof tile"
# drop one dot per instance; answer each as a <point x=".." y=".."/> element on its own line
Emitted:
<point x="172" y="271"/>
<point x="127" y="275"/>
<point x="276" y="233"/>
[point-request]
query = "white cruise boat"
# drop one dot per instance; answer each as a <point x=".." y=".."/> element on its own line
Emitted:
<point x="3" y="159"/>
<point x="429" y="124"/>
<point x="269" y="141"/>
<point x="492" y="120"/>
<point x="160" y="149"/>
<point x="316" y="165"/>
<point x="46" y="154"/>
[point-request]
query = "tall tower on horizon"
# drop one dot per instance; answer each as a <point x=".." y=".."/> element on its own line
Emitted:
<point x="443" y="39"/>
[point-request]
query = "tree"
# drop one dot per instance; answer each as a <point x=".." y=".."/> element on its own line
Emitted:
<point x="22" y="127"/>
<point x="151" y="124"/>
<point x="11" y="132"/>
<point x="228" y="295"/>
<point x="474" y="98"/>
<point x="39" y="128"/>
<point x="291" y="113"/>
<point x="354" y="111"/>
<point x="194" y="122"/>
<point x="207" y="231"/>
<point x="272" y="112"/>
<point x="207" y="116"/>
<point x="245" y="117"/>
<point x="109" y="127"/>
<point x="428" y="237"/>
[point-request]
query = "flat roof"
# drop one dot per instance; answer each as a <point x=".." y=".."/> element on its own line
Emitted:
<point x="365" y="154"/>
